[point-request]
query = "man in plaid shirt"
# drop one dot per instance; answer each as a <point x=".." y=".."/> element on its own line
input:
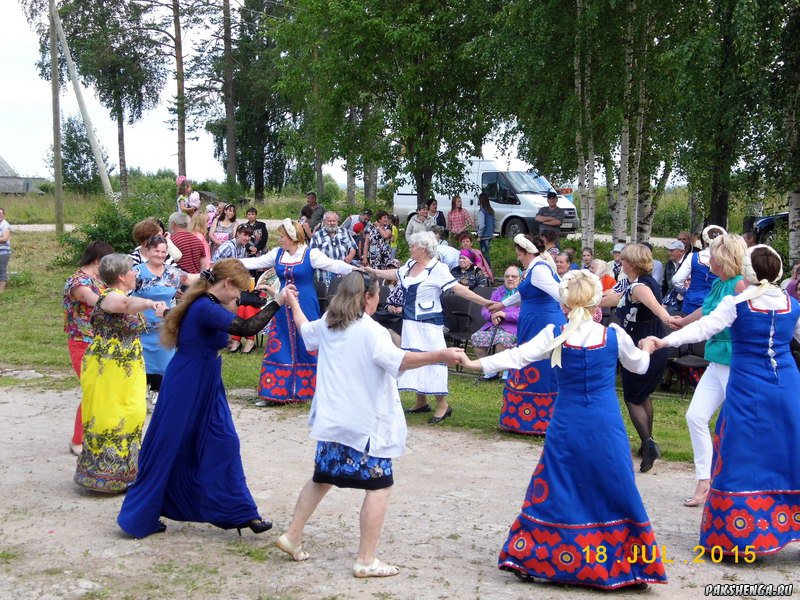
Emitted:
<point x="334" y="242"/>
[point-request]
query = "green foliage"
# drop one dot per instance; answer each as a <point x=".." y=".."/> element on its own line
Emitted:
<point x="113" y="223"/>
<point x="77" y="159"/>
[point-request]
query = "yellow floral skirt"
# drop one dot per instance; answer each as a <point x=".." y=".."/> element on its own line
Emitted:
<point x="114" y="407"/>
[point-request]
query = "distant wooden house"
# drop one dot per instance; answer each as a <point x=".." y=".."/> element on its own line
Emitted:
<point x="12" y="184"/>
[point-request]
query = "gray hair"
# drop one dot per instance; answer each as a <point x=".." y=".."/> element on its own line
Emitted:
<point x="438" y="231"/>
<point x="330" y="212"/>
<point x="425" y="240"/>
<point x="114" y="266"/>
<point x="179" y="219"/>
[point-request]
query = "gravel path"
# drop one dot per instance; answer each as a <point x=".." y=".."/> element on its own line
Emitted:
<point x="455" y="496"/>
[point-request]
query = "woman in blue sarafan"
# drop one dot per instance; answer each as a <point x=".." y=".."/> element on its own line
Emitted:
<point x="697" y="268"/>
<point x="753" y="506"/>
<point x="289" y="370"/>
<point x="531" y="390"/>
<point x="190" y="468"/>
<point x="582" y="520"/>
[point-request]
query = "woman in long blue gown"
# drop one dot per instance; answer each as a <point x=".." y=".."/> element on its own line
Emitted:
<point x="582" y="521"/>
<point x="753" y="506"/>
<point x="190" y="468"/>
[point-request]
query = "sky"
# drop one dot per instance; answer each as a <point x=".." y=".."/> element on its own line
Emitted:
<point x="26" y="123"/>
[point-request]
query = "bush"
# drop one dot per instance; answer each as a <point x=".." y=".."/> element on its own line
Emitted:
<point x="113" y="223"/>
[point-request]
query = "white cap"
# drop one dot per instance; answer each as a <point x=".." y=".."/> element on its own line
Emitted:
<point x="618" y="247"/>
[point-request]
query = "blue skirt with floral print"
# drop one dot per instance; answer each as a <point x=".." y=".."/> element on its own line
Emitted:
<point x="346" y="467"/>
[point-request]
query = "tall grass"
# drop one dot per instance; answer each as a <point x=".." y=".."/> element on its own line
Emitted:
<point x="34" y="209"/>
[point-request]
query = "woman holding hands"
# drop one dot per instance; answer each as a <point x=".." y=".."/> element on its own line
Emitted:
<point x="751" y="507"/>
<point x="359" y="427"/>
<point x="424" y="279"/>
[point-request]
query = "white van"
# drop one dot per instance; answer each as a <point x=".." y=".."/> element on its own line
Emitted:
<point x="515" y="189"/>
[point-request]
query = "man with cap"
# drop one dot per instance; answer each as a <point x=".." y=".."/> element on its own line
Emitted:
<point x="237" y="247"/>
<point x="550" y="216"/>
<point x="676" y="251"/>
<point x="364" y="217"/>
<point x="616" y="252"/>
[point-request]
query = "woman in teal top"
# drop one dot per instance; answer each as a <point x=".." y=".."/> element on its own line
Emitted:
<point x="727" y="253"/>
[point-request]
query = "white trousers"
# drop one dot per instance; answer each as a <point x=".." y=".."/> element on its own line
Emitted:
<point x="708" y="397"/>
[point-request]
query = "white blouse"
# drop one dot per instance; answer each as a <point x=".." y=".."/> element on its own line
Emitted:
<point x="587" y="334"/>
<point x="540" y="278"/>
<point x="318" y="260"/>
<point x="683" y="272"/>
<point x="724" y="315"/>
<point x="356" y="400"/>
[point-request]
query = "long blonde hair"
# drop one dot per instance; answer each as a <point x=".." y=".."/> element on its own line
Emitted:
<point x="199" y="223"/>
<point x="229" y="268"/>
<point x="349" y="302"/>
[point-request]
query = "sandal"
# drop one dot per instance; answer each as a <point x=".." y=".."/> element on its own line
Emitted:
<point x="376" y="569"/>
<point x="296" y="552"/>
<point x="696" y="500"/>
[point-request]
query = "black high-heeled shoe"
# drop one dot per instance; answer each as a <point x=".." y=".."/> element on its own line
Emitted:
<point x="255" y="525"/>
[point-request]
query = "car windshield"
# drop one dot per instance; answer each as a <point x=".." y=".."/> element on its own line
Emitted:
<point x="525" y="182"/>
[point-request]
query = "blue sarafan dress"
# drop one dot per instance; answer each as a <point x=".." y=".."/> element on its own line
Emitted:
<point x="190" y="468"/>
<point x="159" y="289"/>
<point x="530" y="393"/>
<point x="754" y="501"/>
<point x="582" y="521"/>
<point x="289" y="370"/>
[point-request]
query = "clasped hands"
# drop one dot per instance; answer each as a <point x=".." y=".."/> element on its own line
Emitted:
<point x="651" y="343"/>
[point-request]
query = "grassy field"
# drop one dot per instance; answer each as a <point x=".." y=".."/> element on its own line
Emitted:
<point x="32" y="338"/>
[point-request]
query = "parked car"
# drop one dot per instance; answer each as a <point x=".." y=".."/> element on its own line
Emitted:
<point x="515" y="189"/>
<point x="765" y="227"/>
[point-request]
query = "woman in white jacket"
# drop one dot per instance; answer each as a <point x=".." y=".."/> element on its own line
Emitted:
<point x="359" y="427"/>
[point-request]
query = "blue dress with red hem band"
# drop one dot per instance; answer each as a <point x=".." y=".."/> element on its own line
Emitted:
<point x="754" y="501"/>
<point x="583" y="521"/>
<point x="530" y="393"/>
<point x="289" y="370"/>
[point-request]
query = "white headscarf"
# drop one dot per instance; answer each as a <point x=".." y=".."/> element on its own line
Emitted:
<point x="290" y="230"/>
<point x="757" y="287"/>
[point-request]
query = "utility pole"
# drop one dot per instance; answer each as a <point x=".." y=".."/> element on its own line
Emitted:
<point x="98" y="155"/>
<point x="54" y="81"/>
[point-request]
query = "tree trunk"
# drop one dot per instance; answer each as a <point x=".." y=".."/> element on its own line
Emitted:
<point x="58" y="173"/>
<point x="230" y="122"/>
<point x="794" y="227"/>
<point x="370" y="182"/>
<point x="790" y="127"/>
<point x="611" y="193"/>
<point x="725" y="118"/>
<point x="180" y="96"/>
<point x="258" y="176"/>
<point x="694" y="220"/>
<point x="588" y="207"/>
<point x="649" y="202"/>
<point x="619" y="212"/>
<point x="637" y="161"/>
<point x="318" y="171"/>
<point x="123" y="169"/>
<point x="423" y="178"/>
<point x="351" y="185"/>
<point x="579" y="144"/>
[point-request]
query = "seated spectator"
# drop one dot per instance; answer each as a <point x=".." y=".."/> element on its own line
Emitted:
<point x="364" y="217"/>
<point x="236" y="247"/>
<point x="466" y="273"/>
<point x="334" y="242"/>
<point x="390" y="313"/>
<point x="505" y="321"/>
<point x="550" y="237"/>
<point x="587" y="256"/>
<point x="562" y="263"/>
<point x="465" y="240"/>
<point x="604" y="271"/>
<point x="419" y="222"/>
<point x="447" y="254"/>
<point x="791" y="286"/>
<point x="305" y="220"/>
<point x="193" y="259"/>
<point x="570" y="252"/>
<point x="376" y="242"/>
<point x="616" y="266"/>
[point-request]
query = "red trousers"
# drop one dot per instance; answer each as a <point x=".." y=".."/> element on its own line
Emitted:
<point x="77" y="348"/>
<point x="245" y="312"/>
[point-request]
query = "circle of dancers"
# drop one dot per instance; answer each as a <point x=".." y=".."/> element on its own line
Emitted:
<point x="576" y="526"/>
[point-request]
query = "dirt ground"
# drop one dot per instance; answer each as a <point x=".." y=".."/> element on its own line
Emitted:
<point x="456" y="494"/>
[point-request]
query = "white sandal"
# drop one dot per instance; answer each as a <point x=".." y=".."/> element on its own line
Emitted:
<point x="376" y="569"/>
<point x="296" y="552"/>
